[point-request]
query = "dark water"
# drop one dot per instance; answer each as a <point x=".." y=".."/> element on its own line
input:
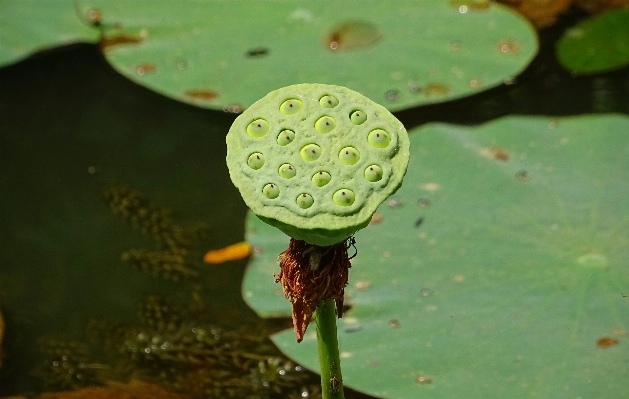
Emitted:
<point x="70" y="126"/>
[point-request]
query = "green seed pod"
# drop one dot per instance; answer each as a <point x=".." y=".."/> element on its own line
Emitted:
<point x="258" y="128"/>
<point x="321" y="178"/>
<point x="291" y="106"/>
<point x="304" y="200"/>
<point x="328" y="101"/>
<point x="373" y="173"/>
<point x="287" y="171"/>
<point x="358" y="117"/>
<point x="285" y="137"/>
<point x="351" y="154"/>
<point x="256" y="161"/>
<point x="325" y="124"/>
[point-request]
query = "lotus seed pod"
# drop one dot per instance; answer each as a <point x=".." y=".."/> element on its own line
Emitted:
<point x="337" y="156"/>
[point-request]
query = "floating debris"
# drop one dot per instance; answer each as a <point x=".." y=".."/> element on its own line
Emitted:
<point x="236" y="251"/>
<point x="162" y="264"/>
<point x="67" y="364"/>
<point x="174" y="242"/>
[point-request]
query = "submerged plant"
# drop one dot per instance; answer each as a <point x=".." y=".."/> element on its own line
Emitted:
<point x="315" y="161"/>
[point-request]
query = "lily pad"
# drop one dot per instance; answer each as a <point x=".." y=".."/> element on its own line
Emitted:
<point x="227" y="54"/>
<point x="28" y="26"/>
<point x="598" y="44"/>
<point x="499" y="269"/>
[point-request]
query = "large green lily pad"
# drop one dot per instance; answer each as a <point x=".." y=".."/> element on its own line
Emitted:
<point x="28" y="26"/>
<point x="598" y="44"/>
<point x="227" y="54"/>
<point x="500" y="270"/>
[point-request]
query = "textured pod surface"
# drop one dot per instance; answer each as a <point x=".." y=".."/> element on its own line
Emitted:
<point x="314" y="186"/>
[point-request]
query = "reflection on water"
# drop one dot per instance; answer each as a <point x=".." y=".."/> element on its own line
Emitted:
<point x="71" y="127"/>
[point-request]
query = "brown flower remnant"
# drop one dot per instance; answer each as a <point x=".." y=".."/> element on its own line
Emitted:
<point x="310" y="274"/>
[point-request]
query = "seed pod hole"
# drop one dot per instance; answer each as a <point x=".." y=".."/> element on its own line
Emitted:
<point x="310" y="152"/>
<point x="285" y="137"/>
<point x="349" y="155"/>
<point x="287" y="171"/>
<point x="304" y="200"/>
<point x="373" y="173"/>
<point x="271" y="191"/>
<point x="328" y="101"/>
<point x="291" y="106"/>
<point x="325" y="124"/>
<point x="258" y="128"/>
<point x="256" y="160"/>
<point x="344" y="197"/>
<point x="321" y="178"/>
<point x="379" y="138"/>
<point x="358" y="117"/>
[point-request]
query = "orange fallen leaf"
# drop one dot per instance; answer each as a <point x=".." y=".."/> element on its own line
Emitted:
<point x="232" y="252"/>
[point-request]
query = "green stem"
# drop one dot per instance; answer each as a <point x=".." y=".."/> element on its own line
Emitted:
<point x="331" y="379"/>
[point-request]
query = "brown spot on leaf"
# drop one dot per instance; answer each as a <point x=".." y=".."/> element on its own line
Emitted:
<point x="143" y="69"/>
<point x="106" y="43"/>
<point x="435" y="88"/>
<point x="351" y="35"/>
<point x="423" y="380"/>
<point x="508" y="47"/>
<point x="94" y="16"/>
<point x="606" y="342"/>
<point x="201" y="94"/>
<point x="376" y="218"/>
<point x="499" y="154"/>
